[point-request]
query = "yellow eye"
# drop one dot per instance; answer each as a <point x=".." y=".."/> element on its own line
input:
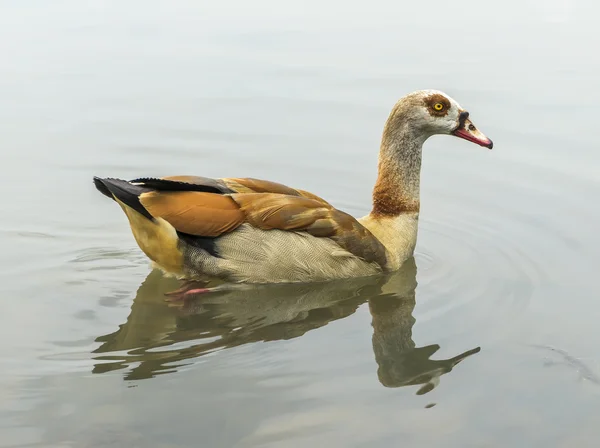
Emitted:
<point x="438" y="106"/>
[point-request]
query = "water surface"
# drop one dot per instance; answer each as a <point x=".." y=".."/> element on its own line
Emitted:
<point x="487" y="338"/>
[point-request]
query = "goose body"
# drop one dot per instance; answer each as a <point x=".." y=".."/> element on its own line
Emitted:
<point x="246" y="230"/>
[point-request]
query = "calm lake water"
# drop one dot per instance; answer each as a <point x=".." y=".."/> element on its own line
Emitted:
<point x="505" y="276"/>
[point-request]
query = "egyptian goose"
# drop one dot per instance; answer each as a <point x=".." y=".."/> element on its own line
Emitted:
<point x="245" y="230"/>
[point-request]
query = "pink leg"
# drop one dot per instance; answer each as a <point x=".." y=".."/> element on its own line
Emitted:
<point x="193" y="288"/>
<point x="187" y="290"/>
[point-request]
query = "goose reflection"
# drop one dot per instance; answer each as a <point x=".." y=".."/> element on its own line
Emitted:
<point x="158" y="338"/>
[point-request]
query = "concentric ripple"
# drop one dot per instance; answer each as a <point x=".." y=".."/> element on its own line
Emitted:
<point x="486" y="263"/>
<point x="466" y="268"/>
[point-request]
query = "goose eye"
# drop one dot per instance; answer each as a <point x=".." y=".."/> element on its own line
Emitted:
<point x="438" y="106"/>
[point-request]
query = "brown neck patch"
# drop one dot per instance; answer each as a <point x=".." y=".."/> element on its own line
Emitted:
<point x="388" y="200"/>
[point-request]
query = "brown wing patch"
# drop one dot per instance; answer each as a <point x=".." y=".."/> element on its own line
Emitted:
<point x="196" y="213"/>
<point x="260" y="186"/>
<point x="236" y="186"/>
<point x="249" y="185"/>
<point x="310" y="195"/>
<point x="279" y="211"/>
<point x="356" y="239"/>
<point x="275" y="211"/>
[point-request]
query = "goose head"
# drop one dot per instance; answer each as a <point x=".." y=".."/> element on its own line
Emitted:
<point x="431" y="112"/>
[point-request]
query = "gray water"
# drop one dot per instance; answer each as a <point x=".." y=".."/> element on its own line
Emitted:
<point x="488" y="339"/>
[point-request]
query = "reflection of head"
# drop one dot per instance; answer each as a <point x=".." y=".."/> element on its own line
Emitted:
<point x="399" y="362"/>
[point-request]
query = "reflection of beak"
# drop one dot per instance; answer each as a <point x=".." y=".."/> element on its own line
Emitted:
<point x="467" y="130"/>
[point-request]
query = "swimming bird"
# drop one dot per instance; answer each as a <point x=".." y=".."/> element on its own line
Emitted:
<point x="245" y="230"/>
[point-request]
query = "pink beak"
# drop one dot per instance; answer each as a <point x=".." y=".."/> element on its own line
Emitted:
<point x="467" y="130"/>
